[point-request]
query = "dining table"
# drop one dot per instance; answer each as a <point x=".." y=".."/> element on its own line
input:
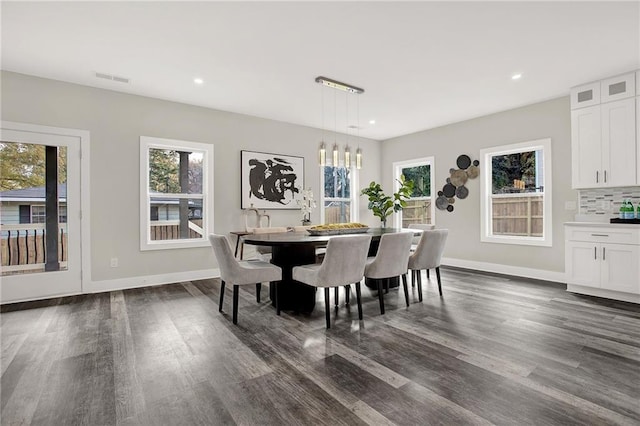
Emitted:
<point x="290" y="249"/>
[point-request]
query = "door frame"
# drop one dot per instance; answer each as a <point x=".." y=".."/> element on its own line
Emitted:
<point x="85" y="194"/>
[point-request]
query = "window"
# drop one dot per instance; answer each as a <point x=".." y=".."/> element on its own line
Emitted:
<point x="38" y="214"/>
<point x="420" y="208"/>
<point x="516" y="193"/>
<point x="62" y="214"/>
<point x="338" y="203"/>
<point x="176" y="204"/>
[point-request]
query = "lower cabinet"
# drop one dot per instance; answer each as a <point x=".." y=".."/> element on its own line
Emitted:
<point x="607" y="266"/>
<point x="603" y="258"/>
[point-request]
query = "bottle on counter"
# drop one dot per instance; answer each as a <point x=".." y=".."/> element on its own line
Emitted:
<point x="630" y="214"/>
<point x="638" y="212"/>
<point x="623" y="210"/>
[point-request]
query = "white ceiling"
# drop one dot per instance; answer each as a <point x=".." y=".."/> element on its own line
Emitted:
<point x="422" y="64"/>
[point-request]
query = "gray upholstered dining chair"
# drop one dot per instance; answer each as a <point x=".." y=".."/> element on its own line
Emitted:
<point x="428" y="255"/>
<point x="390" y="261"/>
<point x="416" y="239"/>
<point x="343" y="264"/>
<point x="242" y="272"/>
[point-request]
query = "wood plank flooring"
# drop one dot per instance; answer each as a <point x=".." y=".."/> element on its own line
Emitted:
<point x="492" y="350"/>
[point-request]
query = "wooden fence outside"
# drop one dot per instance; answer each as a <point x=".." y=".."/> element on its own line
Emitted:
<point x="23" y="248"/>
<point x="416" y="211"/>
<point x="518" y="215"/>
<point x="334" y="213"/>
<point x="170" y="229"/>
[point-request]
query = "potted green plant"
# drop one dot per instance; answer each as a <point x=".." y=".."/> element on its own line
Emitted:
<point x="383" y="205"/>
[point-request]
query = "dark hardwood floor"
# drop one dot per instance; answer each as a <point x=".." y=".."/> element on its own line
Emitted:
<point x="492" y="350"/>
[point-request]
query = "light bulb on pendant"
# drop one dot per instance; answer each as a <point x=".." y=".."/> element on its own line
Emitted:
<point x="322" y="154"/>
<point x="347" y="156"/>
<point x="336" y="153"/>
<point x="358" y="158"/>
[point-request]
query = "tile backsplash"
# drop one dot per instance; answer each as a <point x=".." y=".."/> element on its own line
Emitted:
<point x="606" y="201"/>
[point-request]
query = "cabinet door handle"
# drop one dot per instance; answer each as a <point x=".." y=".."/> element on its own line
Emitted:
<point x="599" y="235"/>
<point x="605" y="176"/>
<point x="597" y="176"/>
<point x="604" y="257"/>
<point x="595" y="253"/>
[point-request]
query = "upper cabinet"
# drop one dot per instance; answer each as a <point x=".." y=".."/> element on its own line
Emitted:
<point x="604" y="134"/>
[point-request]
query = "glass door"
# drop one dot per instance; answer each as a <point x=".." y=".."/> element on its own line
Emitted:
<point x="40" y="252"/>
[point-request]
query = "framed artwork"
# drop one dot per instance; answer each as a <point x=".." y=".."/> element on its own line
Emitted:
<point x="270" y="181"/>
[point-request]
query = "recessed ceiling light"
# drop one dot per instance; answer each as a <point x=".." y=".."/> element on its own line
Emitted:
<point x="516" y="76"/>
<point x="198" y="81"/>
<point x="372" y="121"/>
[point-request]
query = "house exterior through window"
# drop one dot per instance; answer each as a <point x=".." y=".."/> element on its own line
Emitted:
<point x="176" y="193"/>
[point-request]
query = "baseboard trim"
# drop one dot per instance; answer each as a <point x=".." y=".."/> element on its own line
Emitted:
<point x="607" y="294"/>
<point x="149" y="280"/>
<point x="496" y="268"/>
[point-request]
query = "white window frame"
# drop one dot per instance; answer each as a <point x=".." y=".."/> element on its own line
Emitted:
<point x="486" y="222"/>
<point x="146" y="143"/>
<point x="397" y="172"/>
<point x="40" y="208"/>
<point x="353" y="185"/>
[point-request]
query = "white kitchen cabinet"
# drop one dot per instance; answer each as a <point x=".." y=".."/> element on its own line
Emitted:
<point x="619" y="143"/>
<point x="605" y="139"/>
<point x="619" y="87"/>
<point x="586" y="147"/>
<point x="603" y="260"/>
<point x="585" y="95"/>
<point x="638" y="136"/>
<point x="603" y="145"/>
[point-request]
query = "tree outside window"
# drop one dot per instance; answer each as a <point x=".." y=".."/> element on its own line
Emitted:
<point x="336" y="201"/>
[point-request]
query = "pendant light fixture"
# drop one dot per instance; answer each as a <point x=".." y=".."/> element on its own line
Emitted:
<point x="322" y="153"/>
<point x="358" y="151"/>
<point x="349" y="90"/>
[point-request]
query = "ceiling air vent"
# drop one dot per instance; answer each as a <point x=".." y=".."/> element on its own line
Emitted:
<point x="112" y="77"/>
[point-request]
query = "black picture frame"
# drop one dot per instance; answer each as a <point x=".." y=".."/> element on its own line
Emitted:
<point x="270" y="181"/>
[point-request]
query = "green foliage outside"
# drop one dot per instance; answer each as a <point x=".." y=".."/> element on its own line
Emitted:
<point x="421" y="178"/>
<point x="383" y="205"/>
<point x="507" y="168"/>
<point x="164" y="172"/>
<point x="22" y="165"/>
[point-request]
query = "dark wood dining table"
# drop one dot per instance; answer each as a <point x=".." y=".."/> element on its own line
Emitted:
<point x="291" y="249"/>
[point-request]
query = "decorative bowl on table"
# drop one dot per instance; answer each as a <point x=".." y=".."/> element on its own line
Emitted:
<point x="338" y="229"/>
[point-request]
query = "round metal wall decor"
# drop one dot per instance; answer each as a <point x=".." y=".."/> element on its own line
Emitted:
<point x="456" y="182"/>
<point x="463" y="161"/>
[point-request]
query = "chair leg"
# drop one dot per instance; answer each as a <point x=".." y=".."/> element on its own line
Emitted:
<point x="439" y="283"/>
<point x="386" y="284"/>
<point x="347" y="293"/>
<point x="359" y="300"/>
<point x="413" y="278"/>
<point x="221" y="297"/>
<point x="336" y="296"/>
<point x="406" y="289"/>
<point x="428" y="274"/>
<point x="236" y="291"/>
<point x="277" y="284"/>
<point x="380" y="297"/>
<point x="326" y="307"/>
<point x="258" y="289"/>
<point x="419" y="275"/>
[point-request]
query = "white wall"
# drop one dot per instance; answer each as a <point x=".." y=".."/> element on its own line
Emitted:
<point x="116" y="121"/>
<point x="549" y="119"/>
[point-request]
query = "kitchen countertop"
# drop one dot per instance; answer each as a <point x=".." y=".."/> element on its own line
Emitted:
<point x="604" y="225"/>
